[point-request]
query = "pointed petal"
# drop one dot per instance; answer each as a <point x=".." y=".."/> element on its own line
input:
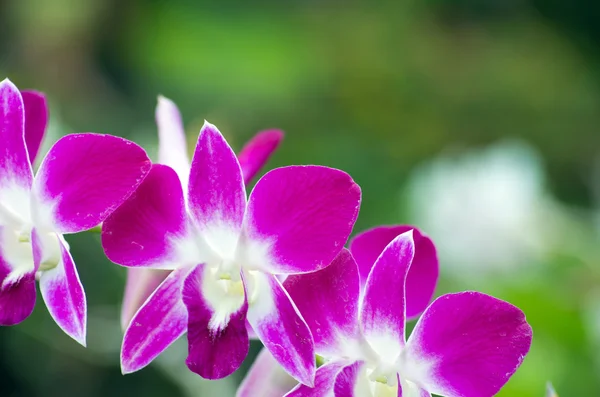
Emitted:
<point x="148" y="228"/>
<point x="324" y="381"/>
<point x="217" y="196"/>
<point x="161" y="320"/>
<point x="15" y="168"/>
<point x="383" y="306"/>
<point x="141" y="283"/>
<point x="352" y="381"/>
<point x="217" y="345"/>
<point x="17" y="279"/>
<point x="60" y="286"/>
<point x="36" y="121"/>
<point x="265" y="378"/>
<point x="280" y="327"/>
<point x="328" y="301"/>
<point x="172" y="147"/>
<point x="466" y="344"/>
<point x="84" y="178"/>
<point x="423" y="274"/>
<point x="257" y="151"/>
<point x="299" y="218"/>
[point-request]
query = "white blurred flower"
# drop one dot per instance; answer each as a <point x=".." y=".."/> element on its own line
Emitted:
<point x="486" y="210"/>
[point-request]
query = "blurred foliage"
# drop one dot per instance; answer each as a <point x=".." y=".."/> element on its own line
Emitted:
<point x="374" y="88"/>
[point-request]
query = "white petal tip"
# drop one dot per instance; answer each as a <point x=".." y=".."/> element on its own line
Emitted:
<point x="163" y="100"/>
<point x="81" y="339"/>
<point x="125" y="369"/>
<point x="208" y="125"/>
<point x="6" y="83"/>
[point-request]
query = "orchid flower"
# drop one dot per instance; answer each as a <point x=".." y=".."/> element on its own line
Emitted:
<point x="82" y="179"/>
<point x="365" y="247"/>
<point x="464" y="344"/>
<point x="172" y="151"/>
<point x="225" y="252"/>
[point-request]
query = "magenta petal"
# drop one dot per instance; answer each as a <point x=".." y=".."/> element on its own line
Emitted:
<point x="217" y="195"/>
<point x="348" y="382"/>
<point x="265" y="378"/>
<point x="280" y="327"/>
<point x="328" y="301"/>
<point x="257" y="151"/>
<point x="213" y="353"/>
<point x="324" y="381"/>
<point x="141" y="283"/>
<point x="467" y="344"/>
<point x="423" y="274"/>
<point x="62" y="291"/>
<point x="14" y="161"/>
<point x="383" y="305"/>
<point x="172" y="147"/>
<point x="142" y="231"/>
<point x="85" y="177"/>
<point x="17" y="294"/>
<point x="302" y="217"/>
<point x="157" y="324"/>
<point x="36" y="121"/>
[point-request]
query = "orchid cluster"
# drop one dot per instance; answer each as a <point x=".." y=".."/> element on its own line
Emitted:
<point x="208" y="260"/>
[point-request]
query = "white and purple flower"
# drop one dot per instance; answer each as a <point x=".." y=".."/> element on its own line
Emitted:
<point x="172" y="151"/>
<point x="82" y="179"/>
<point x="464" y="344"/>
<point x="226" y="252"/>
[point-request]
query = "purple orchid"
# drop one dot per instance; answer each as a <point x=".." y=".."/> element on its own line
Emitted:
<point x="365" y="247"/>
<point x="464" y="344"/>
<point x="82" y="179"/>
<point x="225" y="252"/>
<point x="172" y="151"/>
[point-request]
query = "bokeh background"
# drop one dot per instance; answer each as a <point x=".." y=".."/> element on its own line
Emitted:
<point x="476" y="120"/>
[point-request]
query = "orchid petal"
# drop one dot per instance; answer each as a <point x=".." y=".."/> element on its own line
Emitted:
<point x="423" y="274"/>
<point x="141" y="283"/>
<point x="160" y="321"/>
<point x="466" y="344"/>
<point x="15" y="168"/>
<point x="218" y="341"/>
<point x="172" y="147"/>
<point x="265" y="378"/>
<point x="280" y="327"/>
<point x="324" y="380"/>
<point x="17" y="279"/>
<point x="16" y="175"/>
<point x="60" y="286"/>
<point x="217" y="196"/>
<point x="17" y="297"/>
<point x="257" y="151"/>
<point x="299" y="218"/>
<point x="36" y="121"/>
<point x="328" y="301"/>
<point x="84" y="178"/>
<point x="148" y="228"/>
<point x="352" y="381"/>
<point x="383" y="306"/>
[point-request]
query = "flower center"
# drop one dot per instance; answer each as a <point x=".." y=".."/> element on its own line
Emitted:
<point x="384" y="373"/>
<point x="224" y="295"/>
